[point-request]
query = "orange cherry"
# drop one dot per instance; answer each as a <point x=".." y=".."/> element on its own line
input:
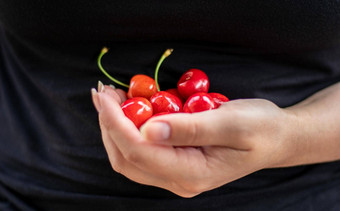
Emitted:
<point x="142" y="86"/>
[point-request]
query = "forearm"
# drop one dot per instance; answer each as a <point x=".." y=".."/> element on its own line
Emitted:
<point x="314" y="129"/>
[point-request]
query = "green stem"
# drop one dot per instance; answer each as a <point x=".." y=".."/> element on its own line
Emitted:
<point x="165" y="54"/>
<point x="99" y="60"/>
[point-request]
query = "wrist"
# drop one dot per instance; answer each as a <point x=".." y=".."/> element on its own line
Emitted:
<point x="295" y="144"/>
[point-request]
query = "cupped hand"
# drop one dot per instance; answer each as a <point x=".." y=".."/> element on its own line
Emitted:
<point x="188" y="154"/>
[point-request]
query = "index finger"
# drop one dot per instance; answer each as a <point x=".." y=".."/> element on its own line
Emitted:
<point x="154" y="158"/>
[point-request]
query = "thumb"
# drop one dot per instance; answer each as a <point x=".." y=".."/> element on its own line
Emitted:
<point x="180" y="129"/>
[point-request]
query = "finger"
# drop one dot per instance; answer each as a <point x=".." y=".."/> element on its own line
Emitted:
<point x="111" y="88"/>
<point x="140" y="175"/>
<point x="113" y="93"/>
<point x="126" y="136"/>
<point x="107" y="89"/>
<point x="122" y="94"/>
<point x="136" y="174"/>
<point x="120" y="165"/>
<point x="118" y="161"/>
<point x="157" y="165"/>
<point x="154" y="158"/>
<point x="95" y="99"/>
<point x="113" y="119"/>
<point x="210" y="128"/>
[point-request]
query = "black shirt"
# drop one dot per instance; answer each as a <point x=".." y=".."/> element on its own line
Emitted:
<point x="51" y="154"/>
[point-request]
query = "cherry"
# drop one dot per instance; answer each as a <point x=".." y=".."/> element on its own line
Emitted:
<point x="218" y="98"/>
<point x="142" y="86"/>
<point x="191" y="82"/>
<point x="193" y="87"/>
<point x="198" y="102"/>
<point x="165" y="102"/>
<point x="138" y="110"/>
<point x="175" y="92"/>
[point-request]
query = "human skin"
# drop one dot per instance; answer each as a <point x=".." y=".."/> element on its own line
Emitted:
<point x="188" y="154"/>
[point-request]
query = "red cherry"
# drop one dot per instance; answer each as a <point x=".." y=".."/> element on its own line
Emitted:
<point x="199" y="102"/>
<point x="138" y="110"/>
<point x="191" y="82"/>
<point x="142" y="86"/>
<point x="165" y="102"/>
<point x="218" y="98"/>
<point x="175" y="92"/>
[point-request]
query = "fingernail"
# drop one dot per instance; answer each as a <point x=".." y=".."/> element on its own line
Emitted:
<point x="156" y="131"/>
<point x="95" y="99"/>
<point x="100" y="86"/>
<point x="112" y="86"/>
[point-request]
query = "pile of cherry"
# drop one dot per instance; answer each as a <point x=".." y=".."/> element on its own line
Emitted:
<point x="145" y="99"/>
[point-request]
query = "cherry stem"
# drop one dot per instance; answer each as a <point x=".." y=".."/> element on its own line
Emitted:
<point x="166" y="53"/>
<point x="99" y="60"/>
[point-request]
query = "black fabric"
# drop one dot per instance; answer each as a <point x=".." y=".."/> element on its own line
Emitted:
<point x="51" y="154"/>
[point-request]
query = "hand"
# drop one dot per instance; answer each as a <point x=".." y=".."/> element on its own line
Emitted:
<point x="192" y="153"/>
